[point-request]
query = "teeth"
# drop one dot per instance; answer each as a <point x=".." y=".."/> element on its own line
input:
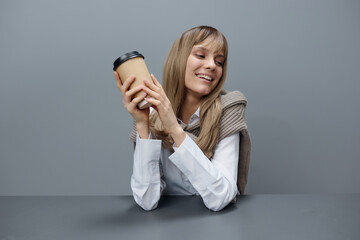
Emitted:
<point x="205" y="77"/>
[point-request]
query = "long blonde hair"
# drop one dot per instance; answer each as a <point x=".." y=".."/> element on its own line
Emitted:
<point x="174" y="86"/>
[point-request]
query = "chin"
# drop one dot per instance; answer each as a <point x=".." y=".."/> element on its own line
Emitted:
<point x="201" y="91"/>
<point x="204" y="92"/>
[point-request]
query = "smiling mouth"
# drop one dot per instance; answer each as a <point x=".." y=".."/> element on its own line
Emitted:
<point x="208" y="78"/>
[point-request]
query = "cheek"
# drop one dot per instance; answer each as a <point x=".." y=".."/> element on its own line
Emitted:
<point x="219" y="73"/>
<point x="193" y="63"/>
<point x="191" y="66"/>
<point x="188" y="67"/>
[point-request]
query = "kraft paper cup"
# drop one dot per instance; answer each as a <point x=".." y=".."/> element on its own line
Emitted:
<point x="133" y="63"/>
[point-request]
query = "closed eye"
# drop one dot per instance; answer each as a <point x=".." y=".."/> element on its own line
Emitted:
<point x="200" y="56"/>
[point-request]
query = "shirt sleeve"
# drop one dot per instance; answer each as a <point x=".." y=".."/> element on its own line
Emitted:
<point x="214" y="180"/>
<point x="146" y="182"/>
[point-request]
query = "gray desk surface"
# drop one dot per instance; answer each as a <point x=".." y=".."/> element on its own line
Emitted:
<point x="118" y="217"/>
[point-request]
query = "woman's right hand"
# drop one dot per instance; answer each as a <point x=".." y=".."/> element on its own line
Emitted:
<point x="141" y="116"/>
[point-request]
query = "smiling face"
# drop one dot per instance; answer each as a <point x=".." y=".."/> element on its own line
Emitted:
<point x="204" y="69"/>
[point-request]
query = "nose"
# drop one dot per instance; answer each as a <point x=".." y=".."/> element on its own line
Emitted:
<point x="210" y="64"/>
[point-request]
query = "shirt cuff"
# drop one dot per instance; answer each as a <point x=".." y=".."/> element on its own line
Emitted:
<point x="190" y="160"/>
<point x="146" y="159"/>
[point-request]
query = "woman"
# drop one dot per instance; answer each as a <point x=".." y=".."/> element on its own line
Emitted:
<point x="194" y="140"/>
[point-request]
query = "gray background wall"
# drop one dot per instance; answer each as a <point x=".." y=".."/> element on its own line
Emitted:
<point x="63" y="129"/>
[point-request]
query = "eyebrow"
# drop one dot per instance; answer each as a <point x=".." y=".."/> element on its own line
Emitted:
<point x="207" y="50"/>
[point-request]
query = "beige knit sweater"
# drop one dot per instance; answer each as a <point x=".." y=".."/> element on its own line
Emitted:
<point x="232" y="120"/>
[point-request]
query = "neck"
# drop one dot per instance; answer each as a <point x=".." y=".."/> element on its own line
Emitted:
<point x="189" y="107"/>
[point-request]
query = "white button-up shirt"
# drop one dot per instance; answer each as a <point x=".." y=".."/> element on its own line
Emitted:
<point x="186" y="171"/>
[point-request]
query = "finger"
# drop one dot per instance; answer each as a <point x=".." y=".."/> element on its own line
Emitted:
<point x="118" y="80"/>
<point x="153" y="101"/>
<point x="137" y="100"/>
<point x="128" y="82"/>
<point x="151" y="86"/>
<point x="151" y="92"/>
<point x="133" y="91"/>
<point x="155" y="80"/>
<point x="125" y="90"/>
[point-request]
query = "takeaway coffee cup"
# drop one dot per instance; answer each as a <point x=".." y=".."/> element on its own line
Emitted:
<point x="133" y="63"/>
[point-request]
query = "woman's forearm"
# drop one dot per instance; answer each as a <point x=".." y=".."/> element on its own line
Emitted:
<point x="143" y="130"/>
<point x="178" y="135"/>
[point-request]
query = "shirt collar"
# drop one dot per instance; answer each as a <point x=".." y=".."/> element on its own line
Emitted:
<point x="197" y="113"/>
<point x="194" y="118"/>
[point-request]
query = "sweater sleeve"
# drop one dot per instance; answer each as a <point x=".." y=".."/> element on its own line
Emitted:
<point x="214" y="180"/>
<point x="146" y="182"/>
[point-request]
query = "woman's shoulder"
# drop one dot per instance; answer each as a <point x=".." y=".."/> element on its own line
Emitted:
<point x="232" y="97"/>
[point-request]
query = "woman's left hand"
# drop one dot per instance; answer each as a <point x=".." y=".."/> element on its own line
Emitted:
<point x="162" y="105"/>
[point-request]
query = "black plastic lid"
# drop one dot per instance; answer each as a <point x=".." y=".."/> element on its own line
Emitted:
<point x="126" y="57"/>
